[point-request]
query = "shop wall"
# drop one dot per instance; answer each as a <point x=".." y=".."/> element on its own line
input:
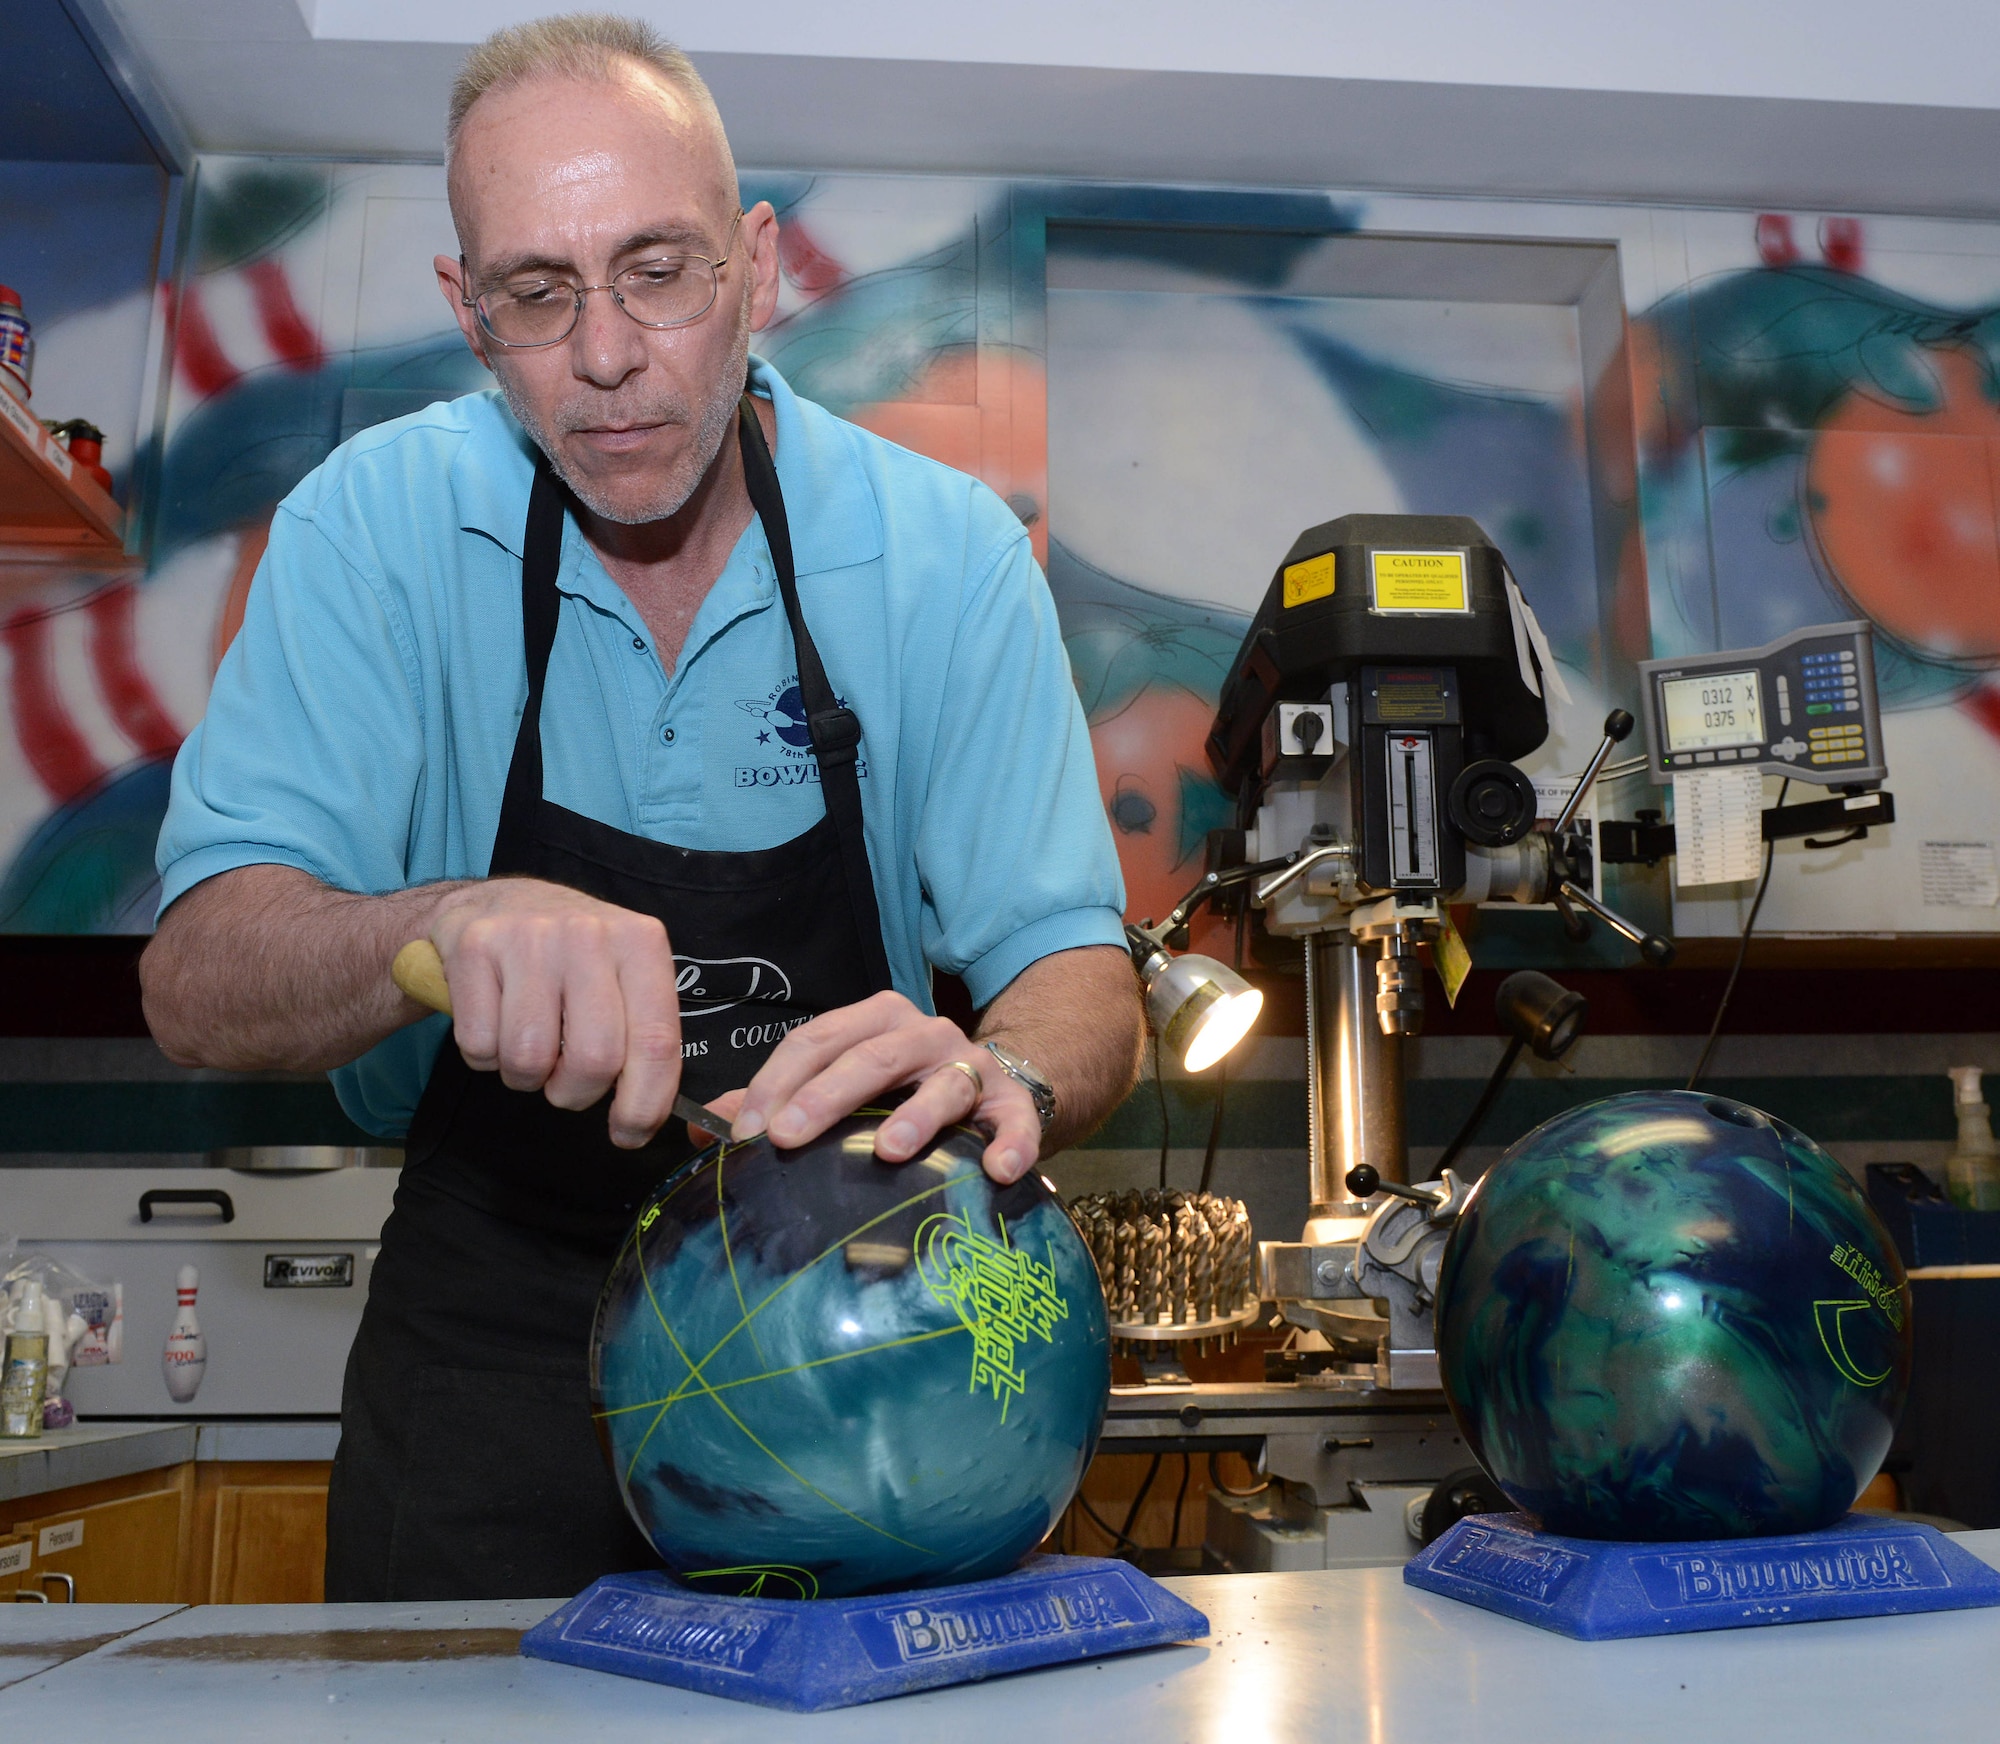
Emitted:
<point x="1794" y="421"/>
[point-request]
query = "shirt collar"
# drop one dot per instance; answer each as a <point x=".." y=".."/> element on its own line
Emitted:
<point x="829" y="500"/>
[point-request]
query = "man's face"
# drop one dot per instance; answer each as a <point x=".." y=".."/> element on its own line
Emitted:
<point x="578" y="180"/>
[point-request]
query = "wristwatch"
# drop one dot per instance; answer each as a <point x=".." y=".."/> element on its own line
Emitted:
<point x="1028" y="1078"/>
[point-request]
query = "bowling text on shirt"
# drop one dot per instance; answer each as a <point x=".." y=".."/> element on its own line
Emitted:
<point x="1004" y="1297"/>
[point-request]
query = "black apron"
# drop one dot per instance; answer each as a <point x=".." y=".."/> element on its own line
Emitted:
<point x="469" y="1467"/>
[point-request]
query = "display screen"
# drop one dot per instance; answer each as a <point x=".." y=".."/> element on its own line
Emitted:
<point x="1713" y="712"/>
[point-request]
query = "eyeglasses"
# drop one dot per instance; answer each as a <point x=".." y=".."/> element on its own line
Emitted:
<point x="669" y="290"/>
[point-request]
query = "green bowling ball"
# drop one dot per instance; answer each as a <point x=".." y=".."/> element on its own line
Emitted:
<point x="1667" y="1315"/>
<point x="817" y="1374"/>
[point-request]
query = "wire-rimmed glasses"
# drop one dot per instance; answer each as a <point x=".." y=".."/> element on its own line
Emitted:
<point x="667" y="290"/>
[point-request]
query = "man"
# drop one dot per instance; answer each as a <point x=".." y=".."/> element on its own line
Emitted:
<point x="625" y="903"/>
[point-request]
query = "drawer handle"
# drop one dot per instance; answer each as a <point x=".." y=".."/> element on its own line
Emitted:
<point x="185" y="1196"/>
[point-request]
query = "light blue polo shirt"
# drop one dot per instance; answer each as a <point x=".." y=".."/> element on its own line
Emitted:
<point x="361" y="723"/>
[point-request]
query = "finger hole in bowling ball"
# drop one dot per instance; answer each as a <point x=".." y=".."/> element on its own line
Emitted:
<point x="1735" y="1113"/>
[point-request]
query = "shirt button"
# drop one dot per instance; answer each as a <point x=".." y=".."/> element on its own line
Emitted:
<point x="639" y="644"/>
<point x="666" y="735"/>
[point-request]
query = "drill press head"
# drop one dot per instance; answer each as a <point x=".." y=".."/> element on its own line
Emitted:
<point x="1371" y="721"/>
<point x="1383" y="590"/>
<point x="1376" y="626"/>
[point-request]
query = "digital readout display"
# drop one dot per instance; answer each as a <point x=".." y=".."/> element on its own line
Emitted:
<point x="1713" y="712"/>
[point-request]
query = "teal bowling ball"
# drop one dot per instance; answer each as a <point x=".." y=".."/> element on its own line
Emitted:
<point x="817" y="1374"/>
<point x="1667" y="1315"/>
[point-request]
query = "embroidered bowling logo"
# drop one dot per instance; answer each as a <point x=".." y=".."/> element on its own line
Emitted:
<point x="781" y="719"/>
<point x="780" y="740"/>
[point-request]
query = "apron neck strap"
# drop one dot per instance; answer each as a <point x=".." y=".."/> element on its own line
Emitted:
<point x="541" y="608"/>
<point x="836" y="733"/>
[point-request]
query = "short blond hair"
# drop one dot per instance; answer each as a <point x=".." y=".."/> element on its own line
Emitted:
<point x="575" y="45"/>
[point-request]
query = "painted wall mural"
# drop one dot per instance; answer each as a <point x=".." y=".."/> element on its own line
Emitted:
<point x="1814" y="405"/>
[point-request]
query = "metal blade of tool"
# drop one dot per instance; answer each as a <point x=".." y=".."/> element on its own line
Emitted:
<point x="419" y="971"/>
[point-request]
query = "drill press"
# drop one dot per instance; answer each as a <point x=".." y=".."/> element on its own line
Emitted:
<point x="1369" y="732"/>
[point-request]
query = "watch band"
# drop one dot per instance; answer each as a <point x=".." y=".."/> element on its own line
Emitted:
<point x="1028" y="1078"/>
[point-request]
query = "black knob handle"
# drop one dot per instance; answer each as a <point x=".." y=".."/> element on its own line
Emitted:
<point x="1656" y="950"/>
<point x="1364" y="1181"/>
<point x="1618" y="726"/>
<point x="186" y="1196"/>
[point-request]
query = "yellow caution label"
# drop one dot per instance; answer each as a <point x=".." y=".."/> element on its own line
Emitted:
<point x="1419" y="581"/>
<point x="1310" y="580"/>
<point x="1451" y="959"/>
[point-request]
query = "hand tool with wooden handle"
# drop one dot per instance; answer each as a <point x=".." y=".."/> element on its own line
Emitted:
<point x="419" y="971"/>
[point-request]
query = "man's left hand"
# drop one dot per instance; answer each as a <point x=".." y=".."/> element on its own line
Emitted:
<point x="827" y="1068"/>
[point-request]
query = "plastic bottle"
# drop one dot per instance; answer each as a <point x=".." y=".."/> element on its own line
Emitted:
<point x="86" y="448"/>
<point x="24" y="1369"/>
<point x="63" y="1329"/>
<point x="17" y="344"/>
<point x="1972" y="1172"/>
<point x="114" y="1334"/>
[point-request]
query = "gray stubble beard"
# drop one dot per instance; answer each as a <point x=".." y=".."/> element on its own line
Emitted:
<point x="680" y="484"/>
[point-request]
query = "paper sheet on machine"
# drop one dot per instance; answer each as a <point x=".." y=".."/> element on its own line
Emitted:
<point x="1718" y="826"/>
<point x="1958" y="874"/>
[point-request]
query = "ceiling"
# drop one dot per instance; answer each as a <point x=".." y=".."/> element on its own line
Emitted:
<point x="1751" y="102"/>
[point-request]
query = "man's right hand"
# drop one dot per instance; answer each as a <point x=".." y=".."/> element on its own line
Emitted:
<point x="564" y="994"/>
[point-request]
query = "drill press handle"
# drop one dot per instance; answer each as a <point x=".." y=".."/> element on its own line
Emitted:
<point x="1364" y="1181"/>
<point x="1570" y="894"/>
<point x="1617" y="729"/>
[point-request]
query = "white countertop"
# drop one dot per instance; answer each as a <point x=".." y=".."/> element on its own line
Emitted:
<point x="1349" y="1654"/>
<point x="86" y="1453"/>
<point x="38" y="1638"/>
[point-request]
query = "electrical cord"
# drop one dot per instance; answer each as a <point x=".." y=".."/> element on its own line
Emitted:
<point x="1483" y="1106"/>
<point x="1222" y="1070"/>
<point x="1215" y="1483"/>
<point x="1139" y="1501"/>
<point x="1180" y="1498"/>
<point x="1215" y="1123"/>
<point x="1103" y="1525"/>
<point x="1742" y="951"/>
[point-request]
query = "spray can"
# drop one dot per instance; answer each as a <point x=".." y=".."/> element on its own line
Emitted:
<point x="1972" y="1172"/>
<point x="24" y="1369"/>
<point x="17" y="344"/>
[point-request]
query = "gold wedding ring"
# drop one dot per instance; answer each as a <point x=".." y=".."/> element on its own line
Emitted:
<point x="972" y="1072"/>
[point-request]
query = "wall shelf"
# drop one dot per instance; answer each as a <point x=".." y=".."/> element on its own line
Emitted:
<point x="51" y="510"/>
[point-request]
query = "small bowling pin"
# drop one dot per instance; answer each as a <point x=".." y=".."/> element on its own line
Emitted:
<point x="186" y="1357"/>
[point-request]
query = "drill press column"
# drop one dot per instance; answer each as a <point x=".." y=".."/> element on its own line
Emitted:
<point x="1354" y="1073"/>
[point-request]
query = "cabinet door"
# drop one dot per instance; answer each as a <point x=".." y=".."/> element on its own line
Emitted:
<point x="269" y="1545"/>
<point x="16" y="1556"/>
<point x="122" y="1552"/>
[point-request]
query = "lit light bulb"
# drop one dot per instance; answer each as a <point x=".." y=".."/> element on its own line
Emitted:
<point x="1223" y="1025"/>
<point x="1199" y="1008"/>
